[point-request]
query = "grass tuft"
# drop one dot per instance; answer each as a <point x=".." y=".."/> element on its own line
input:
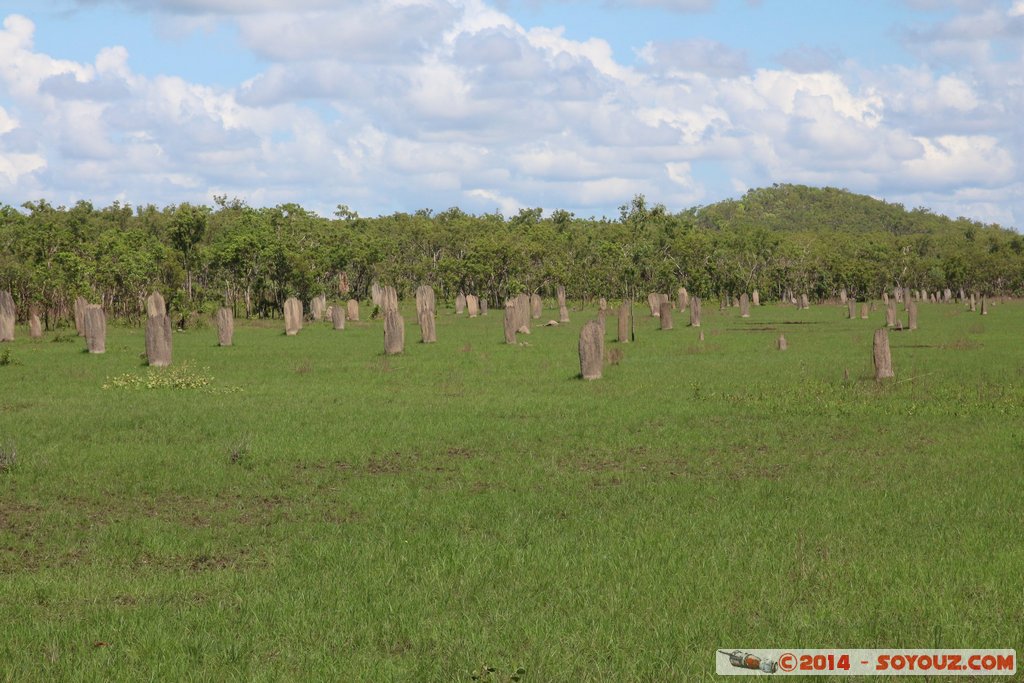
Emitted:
<point x="8" y="458"/>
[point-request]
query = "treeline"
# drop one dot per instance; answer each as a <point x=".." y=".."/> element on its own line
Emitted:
<point x="787" y="237"/>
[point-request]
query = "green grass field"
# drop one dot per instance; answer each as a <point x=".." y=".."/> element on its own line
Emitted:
<point x="321" y="512"/>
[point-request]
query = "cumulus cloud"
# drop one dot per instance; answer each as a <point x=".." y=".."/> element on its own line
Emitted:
<point x="364" y="32"/>
<point x="955" y="160"/>
<point x="970" y="37"/>
<point x="703" y="56"/>
<point x="402" y="104"/>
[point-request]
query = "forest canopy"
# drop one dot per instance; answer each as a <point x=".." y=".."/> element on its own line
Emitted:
<point x="785" y="237"/>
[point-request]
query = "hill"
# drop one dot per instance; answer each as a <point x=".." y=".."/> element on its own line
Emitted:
<point x="801" y="208"/>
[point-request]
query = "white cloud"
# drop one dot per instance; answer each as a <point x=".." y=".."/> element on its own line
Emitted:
<point x="702" y="56"/>
<point x="506" y="205"/>
<point x="688" y="191"/>
<point x="7" y="122"/>
<point x="14" y="166"/>
<point x="22" y="69"/>
<point x="970" y="37"/>
<point x="952" y="160"/>
<point x="954" y="93"/>
<point x="472" y="109"/>
<point x="382" y="31"/>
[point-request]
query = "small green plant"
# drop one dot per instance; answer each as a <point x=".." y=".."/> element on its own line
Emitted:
<point x="175" y="377"/>
<point x="63" y="337"/>
<point x="239" y="453"/>
<point x="5" y="358"/>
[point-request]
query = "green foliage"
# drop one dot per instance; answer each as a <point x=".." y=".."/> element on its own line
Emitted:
<point x="784" y="237"/>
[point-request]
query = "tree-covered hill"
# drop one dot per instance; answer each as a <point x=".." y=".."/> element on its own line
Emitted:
<point x="786" y="237"/>
<point x="825" y="209"/>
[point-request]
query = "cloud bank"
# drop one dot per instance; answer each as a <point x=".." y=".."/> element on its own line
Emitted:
<point x="394" y="105"/>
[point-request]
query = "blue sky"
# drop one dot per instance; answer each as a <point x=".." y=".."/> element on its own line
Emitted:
<point x="396" y="105"/>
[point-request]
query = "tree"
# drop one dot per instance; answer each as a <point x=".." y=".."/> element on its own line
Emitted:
<point x="187" y="228"/>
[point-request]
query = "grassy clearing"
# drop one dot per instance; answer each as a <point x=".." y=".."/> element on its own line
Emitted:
<point x="312" y="510"/>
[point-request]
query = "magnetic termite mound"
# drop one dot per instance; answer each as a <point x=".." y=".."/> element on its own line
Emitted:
<point x="511" y="321"/>
<point x="428" y="327"/>
<point x="654" y="303"/>
<point x="8" y="315"/>
<point x="35" y="327"/>
<point x="318" y="307"/>
<point x="292" y="316"/>
<point x="881" y="355"/>
<point x="225" y="321"/>
<point x="625" y="313"/>
<point x="394" y="332"/>
<point x="665" y="313"/>
<point x="94" y="322"/>
<point x="158" y="340"/>
<point x="563" y="310"/>
<point x="591" y="350"/>
<point x="155" y="305"/>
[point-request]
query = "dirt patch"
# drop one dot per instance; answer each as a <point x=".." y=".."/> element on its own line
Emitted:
<point x="601" y="466"/>
<point x="321" y="466"/>
<point x="338" y="518"/>
<point x="386" y="465"/>
<point x="198" y="563"/>
<point x="963" y="345"/>
<point x="750" y="470"/>
<point x="206" y="562"/>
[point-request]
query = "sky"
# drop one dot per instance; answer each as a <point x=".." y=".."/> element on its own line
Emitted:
<point x="500" y="105"/>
